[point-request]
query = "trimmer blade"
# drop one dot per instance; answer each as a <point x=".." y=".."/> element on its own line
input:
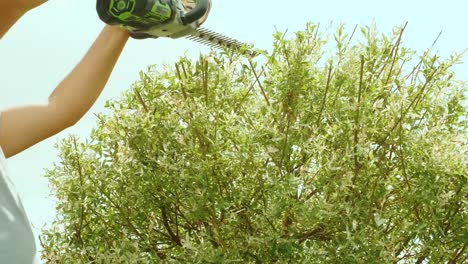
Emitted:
<point x="217" y="40"/>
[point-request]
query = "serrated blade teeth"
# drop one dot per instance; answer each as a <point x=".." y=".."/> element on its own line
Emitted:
<point x="217" y="40"/>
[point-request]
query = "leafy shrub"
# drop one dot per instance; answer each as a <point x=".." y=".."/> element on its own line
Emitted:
<point x="301" y="156"/>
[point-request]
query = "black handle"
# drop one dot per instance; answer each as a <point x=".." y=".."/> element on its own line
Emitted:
<point x="198" y="12"/>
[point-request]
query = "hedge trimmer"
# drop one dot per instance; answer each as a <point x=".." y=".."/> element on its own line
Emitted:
<point x="165" y="18"/>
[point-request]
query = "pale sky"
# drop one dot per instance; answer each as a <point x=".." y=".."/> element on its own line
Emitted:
<point x="44" y="46"/>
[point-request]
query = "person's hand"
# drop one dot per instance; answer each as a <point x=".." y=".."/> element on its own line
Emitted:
<point x="188" y="5"/>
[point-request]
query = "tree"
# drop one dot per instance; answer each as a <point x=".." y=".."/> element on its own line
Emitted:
<point x="299" y="156"/>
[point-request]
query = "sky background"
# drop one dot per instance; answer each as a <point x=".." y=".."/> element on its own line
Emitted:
<point x="48" y="42"/>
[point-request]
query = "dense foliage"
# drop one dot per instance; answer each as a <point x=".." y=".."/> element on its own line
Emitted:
<point x="344" y="151"/>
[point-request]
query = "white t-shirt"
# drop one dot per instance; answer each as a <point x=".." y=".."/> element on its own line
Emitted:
<point x="17" y="244"/>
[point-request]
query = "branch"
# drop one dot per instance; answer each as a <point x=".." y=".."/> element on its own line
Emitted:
<point x="285" y="147"/>
<point x="119" y="208"/>
<point x="421" y="259"/>
<point x="418" y="66"/>
<point x="356" y="121"/>
<point x="182" y="87"/>
<point x="413" y="103"/>
<point x="325" y="95"/>
<point x="166" y="224"/>
<point x="252" y="85"/>
<point x="82" y="209"/>
<point x="396" y="47"/>
<point x="457" y="255"/>
<point x="405" y="243"/>
<point x="402" y="155"/>
<point x="259" y="83"/>
<point x="140" y="98"/>
<point x="317" y="233"/>
<point x="205" y="78"/>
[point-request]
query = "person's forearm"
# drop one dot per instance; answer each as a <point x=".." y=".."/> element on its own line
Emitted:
<point x="75" y="95"/>
<point x="8" y="17"/>
<point x="12" y="10"/>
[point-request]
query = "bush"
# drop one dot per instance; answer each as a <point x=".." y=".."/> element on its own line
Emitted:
<point x="299" y="156"/>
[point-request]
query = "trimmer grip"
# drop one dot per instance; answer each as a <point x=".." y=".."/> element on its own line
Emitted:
<point x="137" y="14"/>
<point x="137" y="35"/>
<point x="102" y="8"/>
<point x="202" y="7"/>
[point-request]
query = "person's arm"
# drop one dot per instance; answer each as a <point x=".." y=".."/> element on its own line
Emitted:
<point x="12" y="10"/>
<point x="8" y="17"/>
<point x="23" y="127"/>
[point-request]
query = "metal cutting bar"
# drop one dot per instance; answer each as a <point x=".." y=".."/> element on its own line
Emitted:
<point x="217" y="40"/>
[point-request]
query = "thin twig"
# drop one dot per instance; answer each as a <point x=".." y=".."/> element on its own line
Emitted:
<point x="205" y="79"/>
<point x="285" y="146"/>
<point x="413" y="103"/>
<point x="397" y="46"/>
<point x="415" y="72"/>
<point x="356" y="122"/>
<point x="251" y="87"/>
<point x="140" y="98"/>
<point x="402" y="155"/>
<point x="119" y="208"/>
<point x="259" y="83"/>
<point x="182" y="86"/>
<point x="82" y="209"/>
<point x="457" y="255"/>
<point x="324" y="100"/>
